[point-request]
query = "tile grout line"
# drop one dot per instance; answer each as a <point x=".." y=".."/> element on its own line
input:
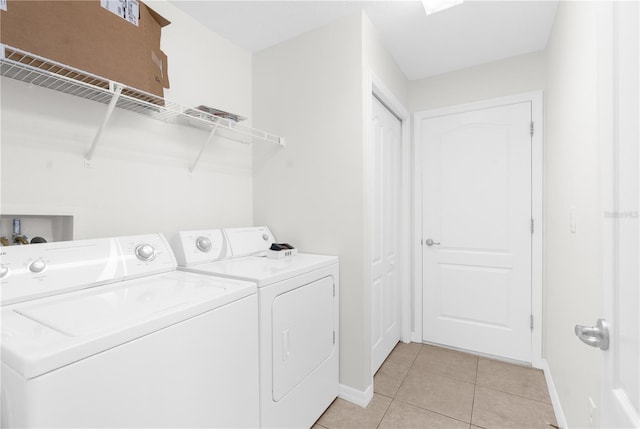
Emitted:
<point x="385" y="413"/>
<point x="473" y="400"/>
<point x="516" y="395"/>
<point x="432" y="411"/>
<point x="444" y="376"/>
<point x="504" y="391"/>
<point x="404" y="379"/>
<point x="393" y="398"/>
<point x="453" y="378"/>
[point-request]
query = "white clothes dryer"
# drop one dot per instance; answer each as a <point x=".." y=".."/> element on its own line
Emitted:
<point x="106" y="333"/>
<point x="298" y="313"/>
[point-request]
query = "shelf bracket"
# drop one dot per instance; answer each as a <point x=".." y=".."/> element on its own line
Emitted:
<point x="212" y="133"/>
<point x="112" y="105"/>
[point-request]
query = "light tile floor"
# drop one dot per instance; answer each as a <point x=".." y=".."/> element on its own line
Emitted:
<point x="423" y="386"/>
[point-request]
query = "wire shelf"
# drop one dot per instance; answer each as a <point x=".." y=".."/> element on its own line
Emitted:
<point x="36" y="70"/>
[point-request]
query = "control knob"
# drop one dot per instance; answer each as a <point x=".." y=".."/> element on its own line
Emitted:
<point x="37" y="266"/>
<point x="203" y="244"/>
<point x="145" y="252"/>
<point x="4" y="271"/>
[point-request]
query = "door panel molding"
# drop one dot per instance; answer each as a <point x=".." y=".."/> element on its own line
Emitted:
<point x="537" y="156"/>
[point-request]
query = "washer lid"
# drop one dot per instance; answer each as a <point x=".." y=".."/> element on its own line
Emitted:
<point x="265" y="271"/>
<point x="45" y="334"/>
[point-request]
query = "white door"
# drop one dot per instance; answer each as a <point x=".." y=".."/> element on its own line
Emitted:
<point x="385" y="288"/>
<point x="621" y="190"/>
<point x="477" y="230"/>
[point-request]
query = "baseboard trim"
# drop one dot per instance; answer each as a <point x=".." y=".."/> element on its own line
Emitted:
<point x="555" y="400"/>
<point x="354" y="396"/>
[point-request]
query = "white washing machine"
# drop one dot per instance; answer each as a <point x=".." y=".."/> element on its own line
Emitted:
<point x="298" y="312"/>
<point x="106" y="333"/>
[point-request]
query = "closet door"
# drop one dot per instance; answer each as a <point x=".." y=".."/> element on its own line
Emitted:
<point x="385" y="263"/>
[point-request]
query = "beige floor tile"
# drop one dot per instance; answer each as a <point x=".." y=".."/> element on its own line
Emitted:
<point x="404" y="354"/>
<point x="434" y="392"/>
<point x="407" y="416"/>
<point x="452" y="363"/>
<point x="343" y="414"/>
<point x="515" y="379"/>
<point x="388" y="379"/>
<point x="494" y="409"/>
<point x="317" y="426"/>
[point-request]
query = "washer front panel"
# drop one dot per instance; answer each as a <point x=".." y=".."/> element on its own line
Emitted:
<point x="201" y="372"/>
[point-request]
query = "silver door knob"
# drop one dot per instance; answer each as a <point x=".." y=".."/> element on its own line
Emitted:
<point x="594" y="336"/>
<point x="430" y="242"/>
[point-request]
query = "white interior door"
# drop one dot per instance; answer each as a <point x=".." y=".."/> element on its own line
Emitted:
<point x="385" y="287"/>
<point x="477" y="230"/>
<point x="621" y="190"/>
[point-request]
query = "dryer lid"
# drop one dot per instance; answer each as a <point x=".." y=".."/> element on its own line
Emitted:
<point x="48" y="333"/>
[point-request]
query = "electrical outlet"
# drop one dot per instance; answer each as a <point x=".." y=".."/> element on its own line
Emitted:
<point x="592" y="413"/>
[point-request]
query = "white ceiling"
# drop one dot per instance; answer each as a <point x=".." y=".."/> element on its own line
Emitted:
<point x="473" y="33"/>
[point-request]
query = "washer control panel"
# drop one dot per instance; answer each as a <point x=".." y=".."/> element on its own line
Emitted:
<point x="35" y="270"/>
<point x="4" y="271"/>
<point x="37" y="266"/>
<point x="145" y="252"/>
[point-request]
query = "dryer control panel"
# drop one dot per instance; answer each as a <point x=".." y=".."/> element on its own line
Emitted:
<point x="210" y="245"/>
<point x="249" y="241"/>
<point x="196" y="247"/>
<point x="37" y="270"/>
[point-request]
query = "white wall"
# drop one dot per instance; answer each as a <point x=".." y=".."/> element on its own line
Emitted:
<point x="511" y="76"/>
<point x="139" y="182"/>
<point x="573" y="262"/>
<point x="377" y="60"/>
<point x="312" y="192"/>
<point x="204" y="68"/>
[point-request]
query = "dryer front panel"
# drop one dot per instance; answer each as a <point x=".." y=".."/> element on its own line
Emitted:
<point x="303" y="333"/>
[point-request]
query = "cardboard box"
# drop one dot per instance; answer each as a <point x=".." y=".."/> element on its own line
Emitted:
<point x="90" y="37"/>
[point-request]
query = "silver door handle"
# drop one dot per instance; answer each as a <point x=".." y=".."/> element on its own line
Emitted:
<point x="430" y="242"/>
<point x="594" y="336"/>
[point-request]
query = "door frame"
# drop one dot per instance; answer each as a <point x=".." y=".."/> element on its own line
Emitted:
<point x="537" y="193"/>
<point x="374" y="87"/>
